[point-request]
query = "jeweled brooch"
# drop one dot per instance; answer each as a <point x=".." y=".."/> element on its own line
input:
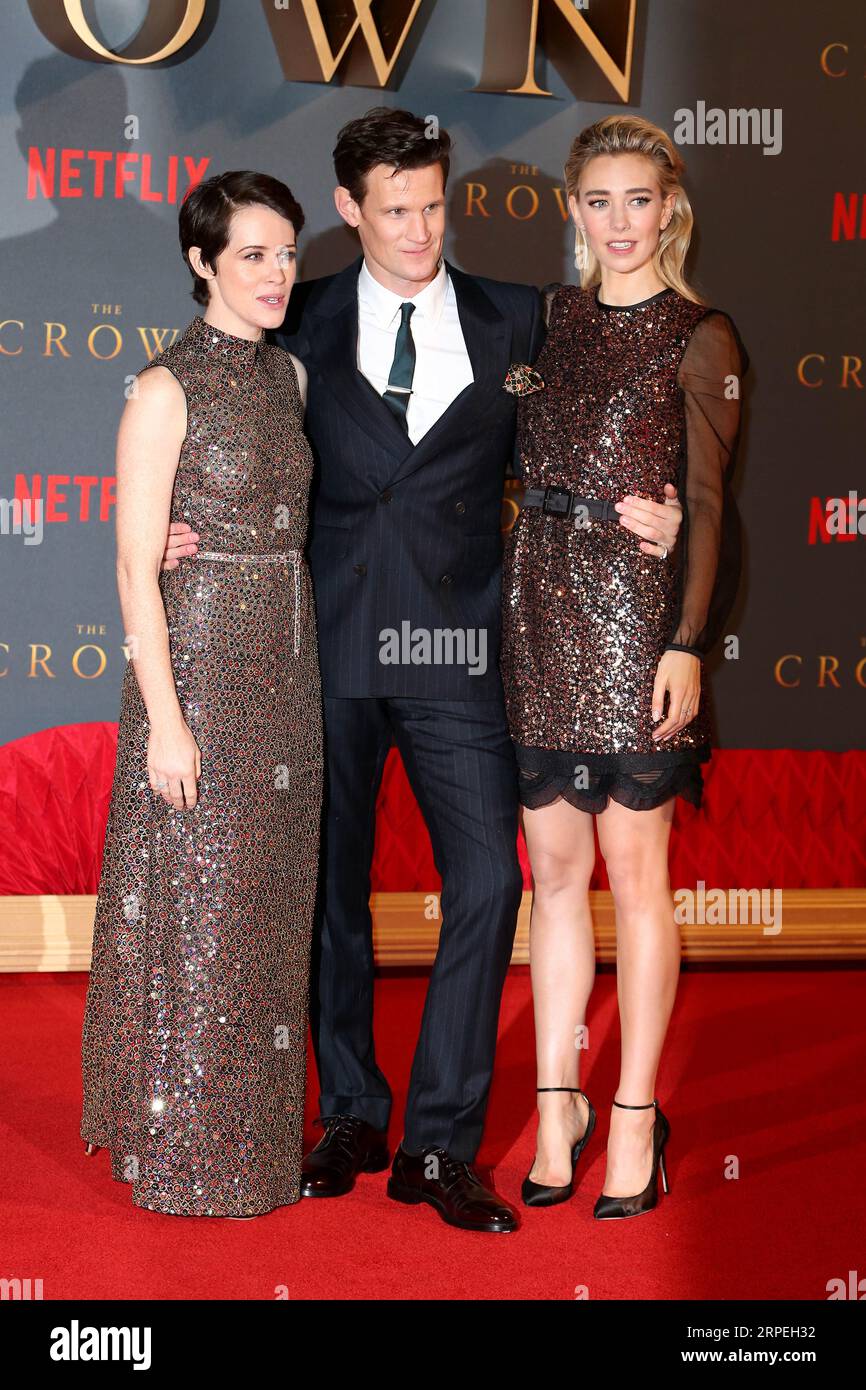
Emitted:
<point x="521" y="380"/>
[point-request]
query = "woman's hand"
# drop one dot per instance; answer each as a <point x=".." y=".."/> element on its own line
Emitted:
<point x="174" y="765"/>
<point x="678" y="673"/>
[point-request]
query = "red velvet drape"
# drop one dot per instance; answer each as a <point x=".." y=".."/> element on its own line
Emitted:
<point x="771" y="818"/>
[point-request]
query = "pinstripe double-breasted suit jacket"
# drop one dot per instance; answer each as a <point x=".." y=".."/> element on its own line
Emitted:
<point x="401" y="532"/>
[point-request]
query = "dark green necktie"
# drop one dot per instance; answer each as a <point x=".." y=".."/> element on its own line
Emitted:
<point x="399" y="389"/>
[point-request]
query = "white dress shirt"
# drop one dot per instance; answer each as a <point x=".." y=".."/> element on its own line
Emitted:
<point x="442" y="366"/>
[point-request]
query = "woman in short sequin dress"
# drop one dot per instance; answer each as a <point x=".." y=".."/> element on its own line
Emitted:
<point x="636" y="386"/>
<point x="194" y="1045"/>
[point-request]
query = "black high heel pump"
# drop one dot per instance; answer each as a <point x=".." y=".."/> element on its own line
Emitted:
<point x="534" y="1194"/>
<point x="609" y="1208"/>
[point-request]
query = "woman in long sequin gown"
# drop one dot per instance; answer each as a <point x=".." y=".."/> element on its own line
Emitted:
<point x="194" y="1039"/>
<point x="637" y="386"/>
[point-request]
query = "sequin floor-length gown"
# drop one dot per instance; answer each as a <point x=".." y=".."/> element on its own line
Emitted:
<point x="194" y="1038"/>
<point x="624" y="399"/>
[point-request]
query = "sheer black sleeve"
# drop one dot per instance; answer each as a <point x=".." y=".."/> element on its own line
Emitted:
<point x="710" y="377"/>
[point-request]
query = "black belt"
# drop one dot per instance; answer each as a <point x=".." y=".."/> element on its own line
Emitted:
<point x="560" y="501"/>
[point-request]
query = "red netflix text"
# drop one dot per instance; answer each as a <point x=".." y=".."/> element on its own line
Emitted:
<point x="77" y="497"/>
<point x="68" y="173"/>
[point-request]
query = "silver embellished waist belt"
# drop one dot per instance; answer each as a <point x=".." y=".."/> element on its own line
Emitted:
<point x="293" y="557"/>
<point x="561" y="501"/>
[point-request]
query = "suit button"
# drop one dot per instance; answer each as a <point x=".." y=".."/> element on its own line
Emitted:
<point x="460" y="507"/>
<point x="386" y="495"/>
<point x="360" y="569"/>
<point x="447" y="579"/>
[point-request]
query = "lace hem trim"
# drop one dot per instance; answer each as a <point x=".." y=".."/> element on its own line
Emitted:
<point x="636" y="781"/>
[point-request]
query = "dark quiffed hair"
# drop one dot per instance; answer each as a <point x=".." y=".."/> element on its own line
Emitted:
<point x="206" y="213"/>
<point x="387" y="136"/>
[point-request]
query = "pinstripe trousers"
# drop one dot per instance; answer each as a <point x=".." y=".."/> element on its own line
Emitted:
<point x="460" y="764"/>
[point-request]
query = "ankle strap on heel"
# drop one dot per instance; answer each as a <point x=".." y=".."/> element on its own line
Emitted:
<point x="575" y="1089"/>
<point x="637" y="1107"/>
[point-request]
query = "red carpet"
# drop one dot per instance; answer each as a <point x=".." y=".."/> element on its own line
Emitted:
<point x="765" y="1066"/>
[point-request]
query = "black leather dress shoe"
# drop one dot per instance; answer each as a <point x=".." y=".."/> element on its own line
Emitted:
<point x="348" y="1147"/>
<point x="454" y="1191"/>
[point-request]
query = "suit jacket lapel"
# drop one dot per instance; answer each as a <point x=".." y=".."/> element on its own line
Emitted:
<point x="334" y="341"/>
<point x="488" y="340"/>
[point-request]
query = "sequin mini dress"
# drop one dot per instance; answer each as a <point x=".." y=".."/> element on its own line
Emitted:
<point x="621" y="400"/>
<point x="194" y="1040"/>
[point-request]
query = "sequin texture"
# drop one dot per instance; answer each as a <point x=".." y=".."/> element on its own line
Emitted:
<point x="194" y="1040"/>
<point x="586" y="614"/>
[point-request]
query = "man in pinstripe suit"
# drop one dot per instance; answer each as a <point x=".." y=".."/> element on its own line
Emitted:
<point x="406" y="359"/>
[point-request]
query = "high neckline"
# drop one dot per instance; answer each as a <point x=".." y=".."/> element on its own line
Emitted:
<point x="623" y="308"/>
<point x="227" y="345"/>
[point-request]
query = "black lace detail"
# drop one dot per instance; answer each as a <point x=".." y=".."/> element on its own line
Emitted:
<point x="587" y="781"/>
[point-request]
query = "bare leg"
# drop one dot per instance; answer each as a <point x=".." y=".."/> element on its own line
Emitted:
<point x="561" y="846"/>
<point x="648" y="948"/>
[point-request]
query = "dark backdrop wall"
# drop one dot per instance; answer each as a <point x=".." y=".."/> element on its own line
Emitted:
<point x="92" y="282"/>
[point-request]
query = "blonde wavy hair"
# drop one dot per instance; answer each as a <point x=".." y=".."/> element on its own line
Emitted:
<point x="633" y="135"/>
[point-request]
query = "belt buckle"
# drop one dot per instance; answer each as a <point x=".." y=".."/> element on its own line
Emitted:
<point x="554" y="507"/>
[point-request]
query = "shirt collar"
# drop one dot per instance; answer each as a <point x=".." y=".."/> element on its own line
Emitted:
<point x="385" y="305"/>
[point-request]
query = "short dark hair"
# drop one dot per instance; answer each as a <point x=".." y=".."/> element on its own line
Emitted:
<point x="384" y="135"/>
<point x="206" y="213"/>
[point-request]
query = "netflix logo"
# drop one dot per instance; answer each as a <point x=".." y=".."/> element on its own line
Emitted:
<point x="67" y="173"/>
<point x="78" y="497"/>
<point x="849" y="217"/>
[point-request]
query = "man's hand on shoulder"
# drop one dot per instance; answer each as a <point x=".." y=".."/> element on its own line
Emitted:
<point x="301" y="372"/>
<point x="657" y="523"/>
